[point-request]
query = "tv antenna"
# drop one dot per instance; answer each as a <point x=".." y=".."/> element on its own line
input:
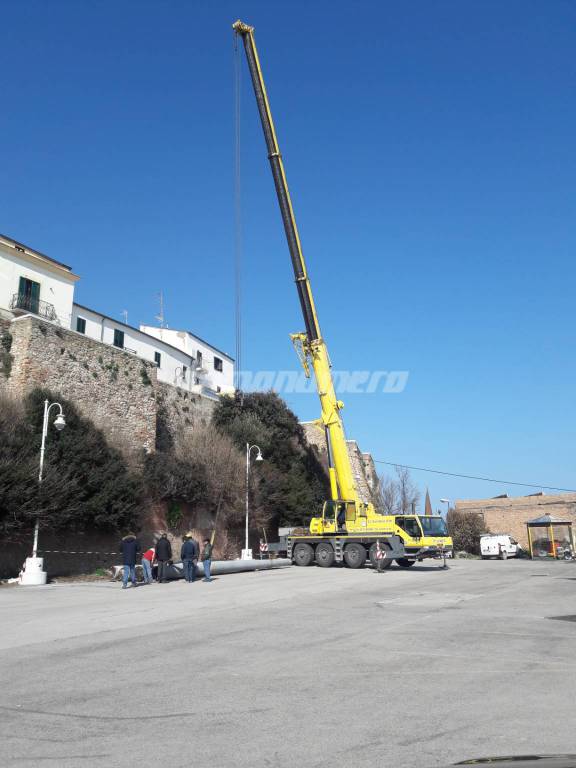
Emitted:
<point x="160" y="315"/>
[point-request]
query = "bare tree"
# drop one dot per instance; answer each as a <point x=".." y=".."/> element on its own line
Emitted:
<point x="386" y="495"/>
<point x="408" y="493"/>
<point x="397" y="495"/>
<point x="222" y="464"/>
<point x="224" y="469"/>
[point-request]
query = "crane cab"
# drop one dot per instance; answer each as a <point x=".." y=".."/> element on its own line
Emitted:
<point x="343" y="517"/>
<point x="335" y="516"/>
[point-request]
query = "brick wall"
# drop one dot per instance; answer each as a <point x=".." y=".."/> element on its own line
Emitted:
<point x="510" y="515"/>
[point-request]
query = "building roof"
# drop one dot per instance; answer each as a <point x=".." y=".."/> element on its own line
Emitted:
<point x="34" y="251"/>
<point x="547" y="520"/>
<point x="195" y="335"/>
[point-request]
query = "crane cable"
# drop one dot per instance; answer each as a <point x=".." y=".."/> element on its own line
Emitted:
<point x="237" y="216"/>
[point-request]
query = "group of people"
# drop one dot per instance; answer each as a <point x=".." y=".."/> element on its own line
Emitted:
<point x="161" y="555"/>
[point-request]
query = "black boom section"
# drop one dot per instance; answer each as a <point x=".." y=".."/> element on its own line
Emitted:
<point x="282" y="194"/>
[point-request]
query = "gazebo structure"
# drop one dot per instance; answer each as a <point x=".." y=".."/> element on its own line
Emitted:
<point x="550" y="536"/>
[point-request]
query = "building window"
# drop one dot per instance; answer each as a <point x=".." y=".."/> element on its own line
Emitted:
<point x="157" y="358"/>
<point x="198" y="359"/>
<point x="118" y="338"/>
<point x="28" y="295"/>
<point x="80" y="325"/>
<point x="184" y="370"/>
<point x="217" y="364"/>
<point x="218" y="389"/>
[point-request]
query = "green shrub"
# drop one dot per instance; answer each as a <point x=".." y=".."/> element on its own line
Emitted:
<point x="465" y="529"/>
<point x="87" y="483"/>
<point x="290" y="484"/>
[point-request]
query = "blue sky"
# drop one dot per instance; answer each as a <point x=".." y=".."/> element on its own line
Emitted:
<point x="429" y="148"/>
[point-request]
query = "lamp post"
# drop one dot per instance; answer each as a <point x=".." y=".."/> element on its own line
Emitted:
<point x="247" y="553"/>
<point x="33" y="573"/>
<point x="447" y="502"/>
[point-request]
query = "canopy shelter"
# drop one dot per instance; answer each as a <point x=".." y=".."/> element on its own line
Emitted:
<point x="550" y="536"/>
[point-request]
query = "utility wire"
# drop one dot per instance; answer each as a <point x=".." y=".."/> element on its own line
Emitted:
<point x="474" y="477"/>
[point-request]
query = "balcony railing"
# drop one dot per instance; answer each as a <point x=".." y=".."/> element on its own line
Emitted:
<point x="23" y="303"/>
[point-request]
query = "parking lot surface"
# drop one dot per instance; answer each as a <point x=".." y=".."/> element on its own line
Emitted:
<point x="294" y="667"/>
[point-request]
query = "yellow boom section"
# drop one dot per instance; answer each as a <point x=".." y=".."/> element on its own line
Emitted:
<point x="310" y="345"/>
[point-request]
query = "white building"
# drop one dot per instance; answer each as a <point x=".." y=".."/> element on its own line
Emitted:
<point x="213" y="368"/>
<point x="32" y="283"/>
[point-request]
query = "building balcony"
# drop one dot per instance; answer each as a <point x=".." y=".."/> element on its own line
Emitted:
<point x="21" y="304"/>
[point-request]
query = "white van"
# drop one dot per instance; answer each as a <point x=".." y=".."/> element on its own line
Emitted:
<point x="498" y="545"/>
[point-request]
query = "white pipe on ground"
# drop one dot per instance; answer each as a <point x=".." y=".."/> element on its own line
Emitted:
<point x="222" y="567"/>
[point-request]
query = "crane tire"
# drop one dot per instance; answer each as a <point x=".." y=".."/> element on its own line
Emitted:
<point x="325" y="554"/>
<point x="403" y="562"/>
<point x="355" y="555"/>
<point x="303" y="554"/>
<point x="372" y="555"/>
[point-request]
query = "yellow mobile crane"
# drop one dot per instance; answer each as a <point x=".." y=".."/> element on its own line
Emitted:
<point x="349" y="527"/>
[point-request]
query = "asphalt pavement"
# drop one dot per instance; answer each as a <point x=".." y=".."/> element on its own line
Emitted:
<point x="294" y="667"/>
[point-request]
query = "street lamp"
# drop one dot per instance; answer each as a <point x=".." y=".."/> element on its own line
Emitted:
<point x="247" y="553"/>
<point x="447" y="502"/>
<point x="33" y="570"/>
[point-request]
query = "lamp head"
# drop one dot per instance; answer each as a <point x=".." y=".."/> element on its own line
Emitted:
<point x="445" y="501"/>
<point x="259" y="457"/>
<point x="60" y="422"/>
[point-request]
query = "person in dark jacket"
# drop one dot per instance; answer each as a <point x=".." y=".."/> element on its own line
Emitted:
<point x="207" y="559"/>
<point x="130" y="547"/>
<point x="189" y="555"/>
<point x="163" y="555"/>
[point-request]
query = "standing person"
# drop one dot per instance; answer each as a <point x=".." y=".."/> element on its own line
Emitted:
<point x="130" y="547"/>
<point x="380" y="556"/>
<point x="189" y="555"/>
<point x="207" y="559"/>
<point x="147" y="560"/>
<point x="195" y="557"/>
<point x="163" y="555"/>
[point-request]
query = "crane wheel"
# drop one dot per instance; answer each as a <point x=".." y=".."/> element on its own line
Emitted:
<point x="355" y="556"/>
<point x="325" y="554"/>
<point x="386" y="563"/>
<point x="303" y="554"/>
<point x="403" y="562"/>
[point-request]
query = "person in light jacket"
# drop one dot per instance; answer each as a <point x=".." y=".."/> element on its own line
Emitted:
<point x="163" y="555"/>
<point x="130" y="547"/>
<point x="189" y="555"/>
<point x="207" y="559"/>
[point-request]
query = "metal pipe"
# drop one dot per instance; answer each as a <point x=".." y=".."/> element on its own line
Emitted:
<point x="223" y="567"/>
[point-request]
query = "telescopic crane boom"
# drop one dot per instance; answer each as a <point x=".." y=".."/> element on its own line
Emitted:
<point x="310" y="346"/>
<point x="350" y="530"/>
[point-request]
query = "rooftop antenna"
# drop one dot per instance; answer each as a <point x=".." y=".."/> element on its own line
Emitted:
<point x="160" y="315"/>
<point x="124" y="315"/>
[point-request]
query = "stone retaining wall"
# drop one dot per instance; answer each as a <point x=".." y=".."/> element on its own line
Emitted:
<point x="362" y="463"/>
<point x="118" y="391"/>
